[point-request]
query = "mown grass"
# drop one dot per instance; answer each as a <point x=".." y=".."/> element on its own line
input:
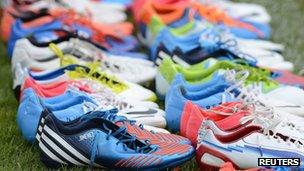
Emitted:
<point x="17" y="154"/>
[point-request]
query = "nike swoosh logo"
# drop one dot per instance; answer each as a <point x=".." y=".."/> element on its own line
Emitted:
<point x="150" y="111"/>
<point x="47" y="59"/>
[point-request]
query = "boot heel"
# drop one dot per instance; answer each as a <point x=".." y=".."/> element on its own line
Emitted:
<point x="50" y="163"/>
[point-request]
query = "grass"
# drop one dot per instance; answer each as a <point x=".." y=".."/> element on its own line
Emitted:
<point x="17" y="154"/>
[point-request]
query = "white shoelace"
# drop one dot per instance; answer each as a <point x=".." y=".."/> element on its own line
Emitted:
<point x="225" y="40"/>
<point x="246" y="94"/>
<point x="104" y="96"/>
<point x="116" y="66"/>
<point x="269" y="124"/>
<point x="249" y="98"/>
<point x="90" y="53"/>
<point x="230" y="76"/>
<point x="261" y="114"/>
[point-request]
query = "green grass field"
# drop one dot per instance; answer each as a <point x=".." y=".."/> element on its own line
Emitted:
<point x="17" y="154"/>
